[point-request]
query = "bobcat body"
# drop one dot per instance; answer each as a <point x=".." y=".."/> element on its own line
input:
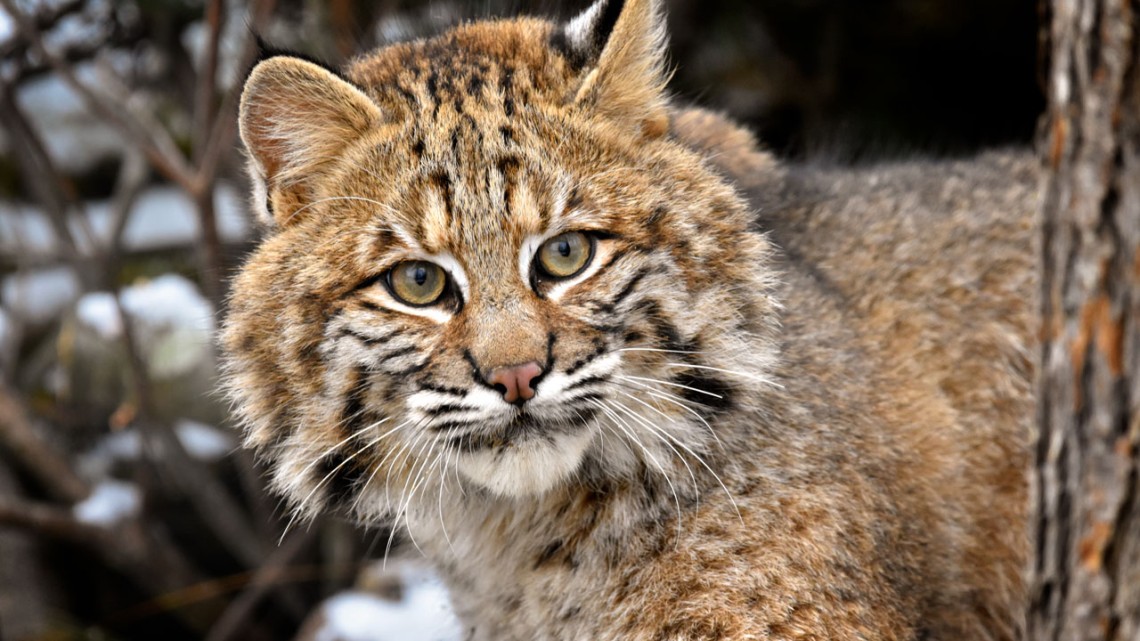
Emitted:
<point x="768" y="402"/>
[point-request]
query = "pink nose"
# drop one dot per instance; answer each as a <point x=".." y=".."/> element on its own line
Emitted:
<point x="515" y="382"/>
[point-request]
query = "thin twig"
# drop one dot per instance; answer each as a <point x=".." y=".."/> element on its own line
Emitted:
<point x="48" y="466"/>
<point x="50" y="520"/>
<point x="267" y="577"/>
<point x="155" y="142"/>
<point x="210" y="499"/>
<point x="225" y="125"/>
<point x="207" y="78"/>
<point x="39" y="173"/>
<point x="132" y="178"/>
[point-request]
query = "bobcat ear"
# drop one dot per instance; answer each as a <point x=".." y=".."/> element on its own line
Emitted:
<point x="295" y="119"/>
<point x="622" y="42"/>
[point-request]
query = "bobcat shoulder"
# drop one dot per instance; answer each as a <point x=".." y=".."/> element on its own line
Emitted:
<point x="619" y="373"/>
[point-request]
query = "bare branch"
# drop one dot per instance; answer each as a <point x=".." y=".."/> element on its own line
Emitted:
<point x="225" y="125"/>
<point x="33" y="454"/>
<point x="148" y="558"/>
<point x="214" y="134"/>
<point x="39" y="172"/>
<point x="24" y="70"/>
<point x="155" y="142"/>
<point x="51" y="520"/>
<point x="44" y="18"/>
<point x="211" y="500"/>
<point x="132" y="178"/>
<point x="267" y="578"/>
<point x="207" y="79"/>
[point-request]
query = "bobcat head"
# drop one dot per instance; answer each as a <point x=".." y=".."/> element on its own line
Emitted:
<point x="490" y="263"/>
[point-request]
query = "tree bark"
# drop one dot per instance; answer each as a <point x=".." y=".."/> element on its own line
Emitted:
<point x="1085" y="570"/>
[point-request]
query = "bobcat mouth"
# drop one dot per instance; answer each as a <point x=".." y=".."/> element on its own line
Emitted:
<point x="526" y="455"/>
<point x="522" y="428"/>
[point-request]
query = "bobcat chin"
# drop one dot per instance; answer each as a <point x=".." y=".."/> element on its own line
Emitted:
<point x="620" y="373"/>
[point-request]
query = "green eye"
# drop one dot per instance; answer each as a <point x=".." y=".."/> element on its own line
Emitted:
<point x="417" y="282"/>
<point x="565" y="255"/>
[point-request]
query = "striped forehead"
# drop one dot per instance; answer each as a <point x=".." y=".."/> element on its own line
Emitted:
<point x="477" y="209"/>
<point x="495" y="66"/>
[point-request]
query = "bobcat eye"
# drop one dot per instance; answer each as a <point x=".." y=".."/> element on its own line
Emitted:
<point x="417" y="282"/>
<point x="565" y="255"/>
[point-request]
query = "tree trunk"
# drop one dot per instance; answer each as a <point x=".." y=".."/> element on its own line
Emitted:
<point x="1085" y="571"/>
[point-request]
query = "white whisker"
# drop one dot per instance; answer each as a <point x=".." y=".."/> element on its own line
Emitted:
<point x="379" y="466"/>
<point x="300" y="509"/>
<point x="655" y="349"/>
<point x="442" y="483"/>
<point x="655" y="432"/>
<point x="700" y="460"/>
<point x="364" y="448"/>
<point x="620" y="423"/>
<point x="415" y="473"/>
<point x="421" y="478"/>
<point x="675" y="400"/>
<point x="670" y="384"/>
<point x="748" y="375"/>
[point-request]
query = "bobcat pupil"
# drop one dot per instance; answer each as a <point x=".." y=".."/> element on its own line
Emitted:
<point x="564" y="248"/>
<point x="421" y="275"/>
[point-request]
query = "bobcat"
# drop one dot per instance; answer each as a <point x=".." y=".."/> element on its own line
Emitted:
<point x="616" y="371"/>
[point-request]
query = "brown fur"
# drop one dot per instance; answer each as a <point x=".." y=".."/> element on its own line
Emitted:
<point x="812" y="399"/>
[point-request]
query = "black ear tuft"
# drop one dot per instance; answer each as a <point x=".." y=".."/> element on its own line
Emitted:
<point x="267" y="50"/>
<point x="619" y="46"/>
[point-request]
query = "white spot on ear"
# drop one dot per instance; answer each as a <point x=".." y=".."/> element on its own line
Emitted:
<point x="579" y="30"/>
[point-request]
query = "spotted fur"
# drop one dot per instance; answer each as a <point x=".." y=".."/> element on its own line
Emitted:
<point x="779" y="403"/>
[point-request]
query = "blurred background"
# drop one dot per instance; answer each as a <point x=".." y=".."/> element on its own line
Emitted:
<point x="126" y="509"/>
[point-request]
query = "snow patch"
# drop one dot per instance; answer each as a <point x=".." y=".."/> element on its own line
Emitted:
<point x="204" y="442"/>
<point x="38" y="296"/>
<point x="98" y="311"/>
<point x="110" y="503"/>
<point x="170" y="300"/>
<point x="25" y="231"/>
<point x="74" y="137"/>
<point x="163" y="217"/>
<point x="423" y="615"/>
<point x="7" y="26"/>
<point x="124" y="445"/>
<point x="173" y="322"/>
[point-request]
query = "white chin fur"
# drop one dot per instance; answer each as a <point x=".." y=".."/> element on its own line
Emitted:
<point x="528" y="468"/>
